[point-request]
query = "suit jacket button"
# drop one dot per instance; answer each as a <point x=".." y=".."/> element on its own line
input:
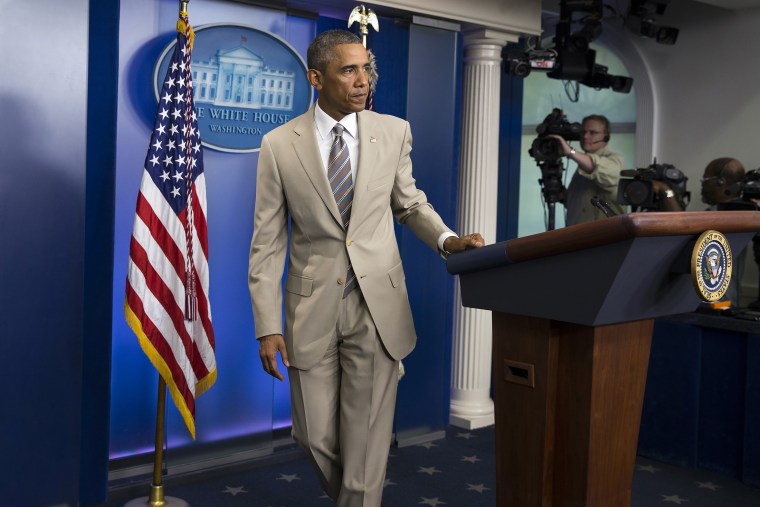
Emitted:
<point x="349" y="242"/>
<point x="340" y="281"/>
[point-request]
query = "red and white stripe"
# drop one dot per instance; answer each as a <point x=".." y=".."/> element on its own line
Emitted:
<point x="182" y="350"/>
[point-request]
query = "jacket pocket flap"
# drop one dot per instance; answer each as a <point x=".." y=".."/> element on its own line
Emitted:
<point x="396" y="275"/>
<point x="300" y="285"/>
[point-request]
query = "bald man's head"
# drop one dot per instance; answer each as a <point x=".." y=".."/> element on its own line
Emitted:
<point x="722" y="180"/>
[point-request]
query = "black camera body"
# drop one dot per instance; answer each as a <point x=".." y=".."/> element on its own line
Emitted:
<point x="750" y="191"/>
<point x="546" y="148"/>
<point x="570" y="58"/>
<point x="751" y="187"/>
<point x="521" y="63"/>
<point x="636" y="189"/>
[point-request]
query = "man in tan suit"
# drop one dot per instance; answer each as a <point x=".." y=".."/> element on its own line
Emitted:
<point x="341" y="174"/>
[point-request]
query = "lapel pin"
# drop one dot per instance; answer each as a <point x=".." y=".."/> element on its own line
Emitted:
<point x="372" y="140"/>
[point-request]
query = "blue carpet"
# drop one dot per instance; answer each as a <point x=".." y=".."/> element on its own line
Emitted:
<point x="456" y="471"/>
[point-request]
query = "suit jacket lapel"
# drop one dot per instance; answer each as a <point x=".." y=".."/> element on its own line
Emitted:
<point x="307" y="151"/>
<point x="367" y="162"/>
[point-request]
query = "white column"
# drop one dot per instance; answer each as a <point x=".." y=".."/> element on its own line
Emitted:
<point x="471" y="404"/>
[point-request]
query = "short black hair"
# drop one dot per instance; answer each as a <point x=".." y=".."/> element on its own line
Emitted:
<point x="322" y="48"/>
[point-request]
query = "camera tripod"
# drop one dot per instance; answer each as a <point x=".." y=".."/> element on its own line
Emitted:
<point x="552" y="188"/>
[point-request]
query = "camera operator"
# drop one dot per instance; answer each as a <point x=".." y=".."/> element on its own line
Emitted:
<point x="597" y="175"/>
<point x="722" y="181"/>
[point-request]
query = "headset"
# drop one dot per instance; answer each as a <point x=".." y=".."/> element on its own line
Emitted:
<point x="605" y="139"/>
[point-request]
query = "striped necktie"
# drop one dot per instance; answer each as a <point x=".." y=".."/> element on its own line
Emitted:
<point x="342" y="185"/>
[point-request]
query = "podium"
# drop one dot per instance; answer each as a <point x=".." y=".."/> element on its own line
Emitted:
<point x="573" y="313"/>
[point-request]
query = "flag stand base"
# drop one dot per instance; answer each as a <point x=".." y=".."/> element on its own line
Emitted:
<point x="157" y="499"/>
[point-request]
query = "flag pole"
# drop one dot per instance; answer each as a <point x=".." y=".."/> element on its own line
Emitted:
<point x="184" y="386"/>
<point x="156" y="496"/>
<point x="157" y="487"/>
<point x="367" y="17"/>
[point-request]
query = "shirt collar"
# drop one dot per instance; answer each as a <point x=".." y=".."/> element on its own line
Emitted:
<point x="325" y="123"/>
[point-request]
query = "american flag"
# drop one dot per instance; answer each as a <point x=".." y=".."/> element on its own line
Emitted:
<point x="166" y="302"/>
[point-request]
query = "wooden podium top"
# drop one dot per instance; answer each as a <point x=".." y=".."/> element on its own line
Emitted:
<point x="619" y="269"/>
<point x="603" y="232"/>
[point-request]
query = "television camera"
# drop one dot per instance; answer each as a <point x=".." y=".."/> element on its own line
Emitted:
<point x="571" y="58"/>
<point x="636" y="188"/>
<point x="548" y="148"/>
<point x="751" y="186"/>
<point x="749" y="193"/>
<point x="547" y="152"/>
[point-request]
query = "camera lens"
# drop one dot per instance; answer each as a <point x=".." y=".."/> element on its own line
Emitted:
<point x="545" y="148"/>
<point x="636" y="193"/>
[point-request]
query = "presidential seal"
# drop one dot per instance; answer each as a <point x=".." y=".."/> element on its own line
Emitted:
<point x="711" y="265"/>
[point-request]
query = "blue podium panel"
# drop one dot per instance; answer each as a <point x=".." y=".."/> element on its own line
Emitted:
<point x="670" y="416"/>
<point x="702" y="401"/>
<point x="722" y="398"/>
<point x="751" y="463"/>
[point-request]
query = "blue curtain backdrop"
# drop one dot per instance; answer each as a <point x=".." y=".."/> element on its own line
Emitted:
<point x="43" y="153"/>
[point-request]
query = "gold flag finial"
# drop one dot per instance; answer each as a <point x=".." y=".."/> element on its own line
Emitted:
<point x="183" y="26"/>
<point x="364" y="17"/>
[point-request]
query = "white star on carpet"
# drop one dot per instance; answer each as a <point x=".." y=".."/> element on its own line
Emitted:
<point x="431" y="501"/>
<point x="471" y="459"/>
<point x="389" y="482"/>
<point x="289" y="478"/>
<point x="466" y="436"/>
<point x="428" y="445"/>
<point x="673" y="498"/>
<point x="429" y="470"/>
<point x="647" y="468"/>
<point x="234" y="491"/>
<point x="476" y="487"/>
<point x="709" y="485"/>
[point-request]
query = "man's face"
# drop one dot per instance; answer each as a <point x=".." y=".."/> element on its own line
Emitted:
<point x="712" y="191"/>
<point x="593" y="136"/>
<point x="344" y="84"/>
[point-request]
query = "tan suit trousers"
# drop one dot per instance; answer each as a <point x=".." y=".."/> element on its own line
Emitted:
<point x="343" y="408"/>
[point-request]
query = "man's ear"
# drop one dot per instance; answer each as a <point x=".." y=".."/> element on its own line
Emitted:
<point x="315" y="78"/>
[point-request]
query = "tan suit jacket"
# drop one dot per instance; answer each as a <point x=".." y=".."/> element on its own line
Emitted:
<point x="292" y="181"/>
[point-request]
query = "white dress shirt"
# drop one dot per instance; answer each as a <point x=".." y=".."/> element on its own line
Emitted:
<point x="324" y="124"/>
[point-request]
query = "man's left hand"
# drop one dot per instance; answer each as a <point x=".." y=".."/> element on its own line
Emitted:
<point x="455" y="244"/>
